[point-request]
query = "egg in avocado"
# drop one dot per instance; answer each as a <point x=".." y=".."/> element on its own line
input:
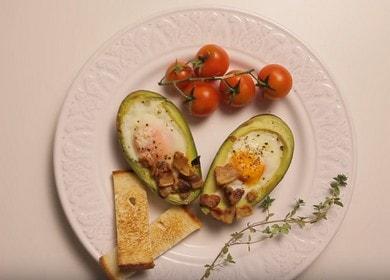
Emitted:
<point x="158" y="145"/>
<point x="248" y="166"/>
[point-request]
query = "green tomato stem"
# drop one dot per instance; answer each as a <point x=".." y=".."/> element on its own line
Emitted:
<point x="164" y="82"/>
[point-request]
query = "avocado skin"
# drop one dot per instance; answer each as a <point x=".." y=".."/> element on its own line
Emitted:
<point x="143" y="173"/>
<point x="264" y="122"/>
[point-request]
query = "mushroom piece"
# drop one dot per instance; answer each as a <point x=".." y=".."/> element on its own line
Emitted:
<point x="181" y="164"/>
<point x="166" y="180"/>
<point x="251" y="196"/>
<point x="184" y="195"/>
<point x="160" y="168"/>
<point x="226" y="216"/>
<point x="225" y="174"/>
<point x="196" y="181"/>
<point x="243" y="211"/>
<point x="233" y="195"/>
<point x="164" y="192"/>
<point x="163" y="174"/>
<point x="209" y="200"/>
<point x="146" y="162"/>
<point x="183" y="186"/>
<point x="197" y="184"/>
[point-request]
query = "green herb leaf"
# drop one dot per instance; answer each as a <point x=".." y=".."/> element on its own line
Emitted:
<point x="339" y="203"/>
<point x="229" y="258"/>
<point x="341" y="179"/>
<point x="266" y="203"/>
<point x="207" y="273"/>
<point x="267" y="230"/>
<point x="237" y="235"/>
<point x="225" y="249"/>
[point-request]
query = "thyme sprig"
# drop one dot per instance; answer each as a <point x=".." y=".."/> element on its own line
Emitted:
<point x="259" y="231"/>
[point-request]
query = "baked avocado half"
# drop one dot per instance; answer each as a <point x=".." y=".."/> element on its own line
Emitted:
<point x="248" y="166"/>
<point x="158" y="145"/>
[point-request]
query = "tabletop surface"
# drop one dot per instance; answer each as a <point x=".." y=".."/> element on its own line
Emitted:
<point x="45" y="43"/>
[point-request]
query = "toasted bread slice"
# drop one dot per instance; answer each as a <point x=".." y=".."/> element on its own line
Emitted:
<point x="165" y="232"/>
<point x="170" y="228"/>
<point x="132" y="222"/>
<point x="110" y="266"/>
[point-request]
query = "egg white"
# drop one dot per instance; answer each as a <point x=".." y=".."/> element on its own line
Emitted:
<point x="152" y="113"/>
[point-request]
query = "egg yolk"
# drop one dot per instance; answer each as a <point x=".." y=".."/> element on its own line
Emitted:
<point x="248" y="165"/>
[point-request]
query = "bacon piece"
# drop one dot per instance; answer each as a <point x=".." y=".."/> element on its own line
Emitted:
<point x="226" y="216"/>
<point x="251" y="196"/>
<point x="163" y="174"/>
<point x="243" y="211"/>
<point x="164" y="192"/>
<point x="225" y="174"/>
<point x="160" y="168"/>
<point x="209" y="200"/>
<point x="181" y="164"/>
<point x="146" y="162"/>
<point x="233" y="195"/>
<point x="184" y="195"/>
<point x="195" y="181"/>
<point x="166" y="180"/>
<point x="183" y="186"/>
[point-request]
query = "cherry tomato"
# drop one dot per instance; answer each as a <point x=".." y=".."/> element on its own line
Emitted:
<point x="237" y="91"/>
<point x="277" y="79"/>
<point x="179" y="70"/>
<point x="211" y="60"/>
<point x="203" y="98"/>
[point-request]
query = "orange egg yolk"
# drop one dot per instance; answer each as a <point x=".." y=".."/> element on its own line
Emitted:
<point x="248" y="165"/>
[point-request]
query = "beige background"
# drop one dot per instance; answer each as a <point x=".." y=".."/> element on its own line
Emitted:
<point x="45" y="43"/>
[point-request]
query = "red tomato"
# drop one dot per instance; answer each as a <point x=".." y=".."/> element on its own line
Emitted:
<point x="211" y="60"/>
<point x="277" y="79"/>
<point x="203" y="98"/>
<point x="237" y="91"/>
<point x="179" y="70"/>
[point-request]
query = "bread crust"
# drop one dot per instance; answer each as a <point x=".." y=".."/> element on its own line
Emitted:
<point x="136" y="266"/>
<point x="118" y="172"/>
<point x="107" y="268"/>
<point x="192" y="216"/>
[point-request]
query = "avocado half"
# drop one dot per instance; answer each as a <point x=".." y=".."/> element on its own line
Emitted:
<point x="258" y="124"/>
<point x="145" y="97"/>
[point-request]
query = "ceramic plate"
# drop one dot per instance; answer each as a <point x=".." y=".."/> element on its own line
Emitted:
<point x="86" y="149"/>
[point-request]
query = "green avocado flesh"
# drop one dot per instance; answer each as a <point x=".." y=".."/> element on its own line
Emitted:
<point x="157" y="108"/>
<point x="262" y="126"/>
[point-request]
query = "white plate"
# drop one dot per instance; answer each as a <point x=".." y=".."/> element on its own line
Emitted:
<point x="86" y="150"/>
